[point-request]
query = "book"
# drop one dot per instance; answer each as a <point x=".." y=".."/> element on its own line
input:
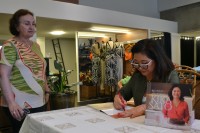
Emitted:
<point x="162" y="110"/>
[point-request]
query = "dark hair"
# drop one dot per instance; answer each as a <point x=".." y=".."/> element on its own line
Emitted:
<point x="14" y="21"/>
<point x="154" y="51"/>
<point x="170" y="92"/>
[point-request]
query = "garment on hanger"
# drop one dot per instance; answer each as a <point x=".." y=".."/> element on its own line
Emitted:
<point x="111" y="77"/>
<point x="96" y="58"/>
<point x="96" y="71"/>
<point x="119" y="53"/>
<point x="107" y="63"/>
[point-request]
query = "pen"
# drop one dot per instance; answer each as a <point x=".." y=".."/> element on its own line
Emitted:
<point x="120" y="96"/>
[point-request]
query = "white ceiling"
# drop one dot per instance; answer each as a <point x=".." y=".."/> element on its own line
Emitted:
<point x="46" y="25"/>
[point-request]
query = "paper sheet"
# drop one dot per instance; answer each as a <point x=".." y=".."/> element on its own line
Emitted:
<point x="114" y="111"/>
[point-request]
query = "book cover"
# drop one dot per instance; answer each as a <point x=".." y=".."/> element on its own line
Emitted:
<point x="169" y="105"/>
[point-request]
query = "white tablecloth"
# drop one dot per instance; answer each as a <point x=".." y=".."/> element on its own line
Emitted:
<point x="88" y="119"/>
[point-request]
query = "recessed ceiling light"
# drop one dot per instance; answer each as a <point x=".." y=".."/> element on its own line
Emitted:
<point x="57" y="32"/>
<point x="198" y="37"/>
<point x="90" y="34"/>
<point x="115" y="30"/>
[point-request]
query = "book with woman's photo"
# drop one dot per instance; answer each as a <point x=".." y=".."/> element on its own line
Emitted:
<point x="169" y="105"/>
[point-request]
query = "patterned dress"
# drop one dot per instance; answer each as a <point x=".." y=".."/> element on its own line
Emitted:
<point x="27" y="78"/>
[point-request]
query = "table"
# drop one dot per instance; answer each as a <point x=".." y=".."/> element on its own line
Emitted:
<point x="87" y="119"/>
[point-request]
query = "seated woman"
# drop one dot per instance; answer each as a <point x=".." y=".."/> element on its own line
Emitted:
<point x="176" y="109"/>
<point x="152" y="65"/>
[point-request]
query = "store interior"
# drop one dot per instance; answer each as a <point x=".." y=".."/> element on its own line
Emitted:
<point x="79" y="36"/>
<point x="76" y="44"/>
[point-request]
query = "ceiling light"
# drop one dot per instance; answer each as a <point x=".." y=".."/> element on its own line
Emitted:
<point x="90" y="34"/>
<point x="57" y="32"/>
<point x="110" y="30"/>
<point x="198" y="37"/>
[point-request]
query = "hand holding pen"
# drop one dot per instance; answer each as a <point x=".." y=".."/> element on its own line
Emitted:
<point x="122" y="101"/>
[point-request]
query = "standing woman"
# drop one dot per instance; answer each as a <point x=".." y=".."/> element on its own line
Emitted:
<point x="22" y="71"/>
<point x="152" y="65"/>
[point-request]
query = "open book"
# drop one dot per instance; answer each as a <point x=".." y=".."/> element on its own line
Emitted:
<point x="162" y="110"/>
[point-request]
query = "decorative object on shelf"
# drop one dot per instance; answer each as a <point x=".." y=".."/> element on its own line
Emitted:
<point x="86" y="78"/>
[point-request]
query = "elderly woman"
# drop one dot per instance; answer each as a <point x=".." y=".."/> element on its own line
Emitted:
<point x="22" y="71"/>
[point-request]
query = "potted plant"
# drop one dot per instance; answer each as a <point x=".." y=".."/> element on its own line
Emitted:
<point x="62" y="96"/>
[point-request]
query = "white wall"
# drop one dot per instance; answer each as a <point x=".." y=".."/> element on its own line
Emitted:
<point x="3" y="37"/>
<point x="67" y="11"/>
<point x="41" y="42"/>
<point x="176" y="48"/>
<point x="68" y="49"/>
<point x="139" y="7"/>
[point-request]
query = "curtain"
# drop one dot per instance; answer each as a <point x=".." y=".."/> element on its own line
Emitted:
<point x="198" y="51"/>
<point x="187" y="51"/>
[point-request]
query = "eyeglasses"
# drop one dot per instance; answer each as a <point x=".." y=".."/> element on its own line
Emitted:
<point x="142" y="65"/>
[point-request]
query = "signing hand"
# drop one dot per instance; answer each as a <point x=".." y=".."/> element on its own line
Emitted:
<point x="134" y="112"/>
<point x="119" y="103"/>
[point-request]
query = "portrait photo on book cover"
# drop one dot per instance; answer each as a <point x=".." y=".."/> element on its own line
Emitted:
<point x="169" y="105"/>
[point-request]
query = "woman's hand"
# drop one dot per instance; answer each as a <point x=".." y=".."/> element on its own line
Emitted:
<point x="47" y="92"/>
<point x="119" y="103"/>
<point x="126" y="113"/>
<point x="120" y="84"/>
<point x="16" y="111"/>
<point x="47" y="97"/>
<point x="133" y="112"/>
